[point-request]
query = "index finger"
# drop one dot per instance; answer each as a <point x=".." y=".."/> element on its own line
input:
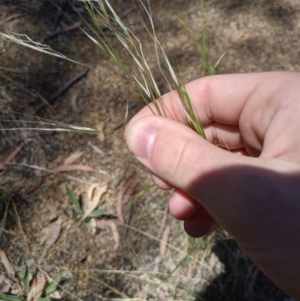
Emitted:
<point x="219" y="98"/>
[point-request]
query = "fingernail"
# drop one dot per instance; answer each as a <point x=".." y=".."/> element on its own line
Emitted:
<point x="140" y="137"/>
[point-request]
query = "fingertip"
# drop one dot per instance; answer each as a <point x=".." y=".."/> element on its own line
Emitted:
<point x="200" y="224"/>
<point x="160" y="183"/>
<point x="181" y="205"/>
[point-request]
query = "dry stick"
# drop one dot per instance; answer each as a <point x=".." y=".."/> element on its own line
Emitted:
<point x="64" y="30"/>
<point x="11" y="156"/>
<point x="64" y="88"/>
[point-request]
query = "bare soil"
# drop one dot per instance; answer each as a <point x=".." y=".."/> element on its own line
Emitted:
<point x="254" y="35"/>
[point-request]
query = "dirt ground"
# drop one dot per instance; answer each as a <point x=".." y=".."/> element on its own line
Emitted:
<point x="103" y="258"/>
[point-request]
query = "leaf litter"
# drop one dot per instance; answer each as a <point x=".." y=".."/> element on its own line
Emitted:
<point x="125" y="194"/>
<point x="49" y="241"/>
<point x="95" y="192"/>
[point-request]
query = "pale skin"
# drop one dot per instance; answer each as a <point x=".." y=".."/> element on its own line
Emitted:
<point x="253" y="191"/>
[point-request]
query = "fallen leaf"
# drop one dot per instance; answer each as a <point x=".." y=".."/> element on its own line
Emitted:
<point x="72" y="158"/>
<point x="114" y="228"/>
<point x="56" y="295"/>
<point x="51" y="239"/>
<point x="65" y="168"/>
<point x="125" y="194"/>
<point x="164" y="240"/>
<point x="91" y="189"/>
<point x="37" y="289"/>
<point x="8" y="267"/>
<point x="95" y="200"/>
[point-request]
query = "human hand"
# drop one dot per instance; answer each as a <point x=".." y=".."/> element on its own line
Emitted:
<point x="253" y="191"/>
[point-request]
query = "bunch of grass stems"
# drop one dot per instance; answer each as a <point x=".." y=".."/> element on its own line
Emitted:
<point x="103" y="15"/>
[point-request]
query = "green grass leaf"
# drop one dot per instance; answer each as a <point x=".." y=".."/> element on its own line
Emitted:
<point x="6" y="297"/>
<point x="97" y="213"/>
<point x="26" y="278"/>
<point x="73" y="198"/>
<point x="52" y="287"/>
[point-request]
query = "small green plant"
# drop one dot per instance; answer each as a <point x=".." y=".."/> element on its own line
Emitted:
<point x="79" y="213"/>
<point x="33" y="288"/>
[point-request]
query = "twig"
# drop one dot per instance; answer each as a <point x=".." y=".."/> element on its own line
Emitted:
<point x="64" y="88"/>
<point x="11" y="156"/>
<point x="64" y="30"/>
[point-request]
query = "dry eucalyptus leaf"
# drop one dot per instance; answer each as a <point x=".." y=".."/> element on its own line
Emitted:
<point x="8" y="267"/>
<point x="72" y="158"/>
<point x="52" y="238"/>
<point x="95" y="201"/>
<point x="65" y="168"/>
<point x="37" y="289"/>
<point x="124" y="195"/>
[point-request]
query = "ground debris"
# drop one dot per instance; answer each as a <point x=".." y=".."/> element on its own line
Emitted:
<point x="51" y="239"/>
<point x="125" y="194"/>
<point x="11" y="156"/>
<point x="37" y="288"/>
<point x="8" y="267"/>
<point x="164" y="240"/>
<point x="72" y="167"/>
<point x="72" y="158"/>
<point x="95" y="192"/>
<point x="114" y="228"/>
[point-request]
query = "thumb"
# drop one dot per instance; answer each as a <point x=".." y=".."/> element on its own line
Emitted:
<point x="174" y="152"/>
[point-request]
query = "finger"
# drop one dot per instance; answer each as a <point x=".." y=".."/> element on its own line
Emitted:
<point x="182" y="206"/>
<point x="160" y="183"/>
<point x="212" y="95"/>
<point x="199" y="224"/>
<point x="226" y="136"/>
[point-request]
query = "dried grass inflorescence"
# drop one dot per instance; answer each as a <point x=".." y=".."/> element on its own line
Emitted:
<point x="137" y="70"/>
